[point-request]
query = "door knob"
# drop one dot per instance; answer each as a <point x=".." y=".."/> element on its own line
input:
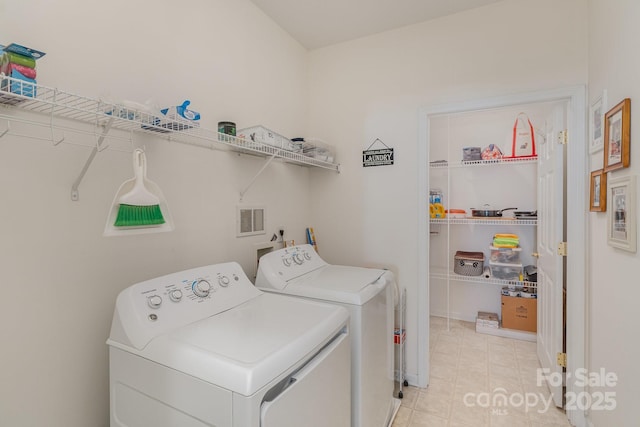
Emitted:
<point x="535" y="255"/>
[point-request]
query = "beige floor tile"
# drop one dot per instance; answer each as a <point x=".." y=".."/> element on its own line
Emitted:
<point x="447" y="347"/>
<point x="508" y="420"/>
<point x="444" y="359"/>
<point x="470" y="385"/>
<point x="453" y="336"/>
<point x="475" y="342"/>
<point x="402" y="417"/>
<point x="506" y="374"/>
<point x="464" y="414"/>
<point x="503" y="359"/>
<point x="420" y="418"/>
<point x="531" y="374"/>
<point x="471" y="354"/>
<point x="552" y="417"/>
<point x="409" y="395"/>
<point x="525" y="346"/>
<point x="471" y="382"/>
<point x="433" y="404"/>
<point x="440" y="387"/>
<point x="445" y="372"/>
<point x="502" y="341"/>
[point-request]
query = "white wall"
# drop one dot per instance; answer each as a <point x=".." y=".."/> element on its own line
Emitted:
<point x="373" y="88"/>
<point x="59" y="276"/>
<point x="613" y="285"/>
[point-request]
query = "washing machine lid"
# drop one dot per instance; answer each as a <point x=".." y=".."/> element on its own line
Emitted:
<point x="246" y="347"/>
<point x="339" y="283"/>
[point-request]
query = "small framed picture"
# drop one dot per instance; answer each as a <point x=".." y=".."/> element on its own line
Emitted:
<point x="622" y="213"/>
<point x="596" y="123"/>
<point x="617" y="132"/>
<point x="598" y="193"/>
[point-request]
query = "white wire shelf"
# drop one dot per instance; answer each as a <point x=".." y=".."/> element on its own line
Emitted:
<point x="483" y="221"/>
<point x="59" y="104"/>
<point x="480" y="163"/>
<point x="482" y="280"/>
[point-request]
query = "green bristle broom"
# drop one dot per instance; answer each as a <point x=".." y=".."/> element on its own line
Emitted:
<point x="139" y="207"/>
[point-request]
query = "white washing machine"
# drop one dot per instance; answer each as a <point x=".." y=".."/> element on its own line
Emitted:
<point x="368" y="295"/>
<point x="204" y="347"/>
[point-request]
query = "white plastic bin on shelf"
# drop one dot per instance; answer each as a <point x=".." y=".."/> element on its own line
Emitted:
<point x="263" y="135"/>
<point x="318" y="150"/>
<point x="506" y="271"/>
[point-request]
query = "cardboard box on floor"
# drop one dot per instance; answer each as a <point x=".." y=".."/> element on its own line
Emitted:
<point x="520" y="313"/>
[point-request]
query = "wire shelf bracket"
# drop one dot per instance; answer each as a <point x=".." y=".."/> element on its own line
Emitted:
<point x="265" y="166"/>
<point x="75" y="194"/>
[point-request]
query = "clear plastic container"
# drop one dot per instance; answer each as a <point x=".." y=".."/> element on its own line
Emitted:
<point x="505" y="271"/>
<point x="505" y="255"/>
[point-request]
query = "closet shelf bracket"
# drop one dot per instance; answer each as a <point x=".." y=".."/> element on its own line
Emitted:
<point x="267" y="163"/>
<point x="75" y="195"/>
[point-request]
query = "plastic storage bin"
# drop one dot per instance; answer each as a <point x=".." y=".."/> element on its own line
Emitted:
<point x="318" y="150"/>
<point x="262" y="135"/>
<point x="505" y="271"/>
<point x="505" y="255"/>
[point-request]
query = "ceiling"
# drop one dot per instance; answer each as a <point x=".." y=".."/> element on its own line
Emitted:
<point x="319" y="23"/>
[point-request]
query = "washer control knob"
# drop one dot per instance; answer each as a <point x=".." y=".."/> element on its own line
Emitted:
<point x="286" y="262"/>
<point x="154" y="301"/>
<point x="201" y="288"/>
<point x="307" y="256"/>
<point x="175" y="295"/>
<point x="223" y="281"/>
<point x="297" y="258"/>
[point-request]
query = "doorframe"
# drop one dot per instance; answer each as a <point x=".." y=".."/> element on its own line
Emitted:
<point x="576" y="196"/>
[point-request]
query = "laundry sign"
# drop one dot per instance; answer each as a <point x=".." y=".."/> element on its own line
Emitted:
<point x="377" y="157"/>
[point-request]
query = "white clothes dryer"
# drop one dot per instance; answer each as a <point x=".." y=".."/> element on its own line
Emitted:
<point x="368" y="295"/>
<point x="204" y="347"/>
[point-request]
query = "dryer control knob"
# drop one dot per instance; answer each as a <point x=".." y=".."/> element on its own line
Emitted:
<point x="307" y="256"/>
<point x="201" y="288"/>
<point x="286" y="262"/>
<point x="223" y="281"/>
<point x="154" y="301"/>
<point x="297" y="258"/>
<point x="175" y="295"/>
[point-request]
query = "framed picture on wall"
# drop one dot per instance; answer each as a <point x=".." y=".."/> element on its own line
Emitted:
<point x="598" y="193"/>
<point x="617" y="131"/>
<point x="622" y="213"/>
<point x="596" y="123"/>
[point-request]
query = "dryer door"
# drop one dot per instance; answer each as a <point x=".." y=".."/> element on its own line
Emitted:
<point x="318" y="395"/>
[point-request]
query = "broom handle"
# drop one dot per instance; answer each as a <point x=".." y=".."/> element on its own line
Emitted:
<point x="139" y="166"/>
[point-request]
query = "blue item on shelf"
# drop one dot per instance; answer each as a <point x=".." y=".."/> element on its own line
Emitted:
<point x="21" y="85"/>
<point x="182" y="111"/>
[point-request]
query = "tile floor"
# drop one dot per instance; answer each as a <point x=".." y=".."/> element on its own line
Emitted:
<point x="468" y="370"/>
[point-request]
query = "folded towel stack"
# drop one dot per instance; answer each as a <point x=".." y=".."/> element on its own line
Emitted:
<point x="506" y="241"/>
<point x="19" y="63"/>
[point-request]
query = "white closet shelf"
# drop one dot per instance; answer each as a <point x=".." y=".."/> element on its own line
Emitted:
<point x="59" y="104"/>
<point x="482" y="280"/>
<point x="480" y="163"/>
<point x="483" y="221"/>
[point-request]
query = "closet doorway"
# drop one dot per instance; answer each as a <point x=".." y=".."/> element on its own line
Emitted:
<point x="574" y="164"/>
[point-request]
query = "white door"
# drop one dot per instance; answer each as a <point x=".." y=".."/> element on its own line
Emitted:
<point x="551" y="231"/>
